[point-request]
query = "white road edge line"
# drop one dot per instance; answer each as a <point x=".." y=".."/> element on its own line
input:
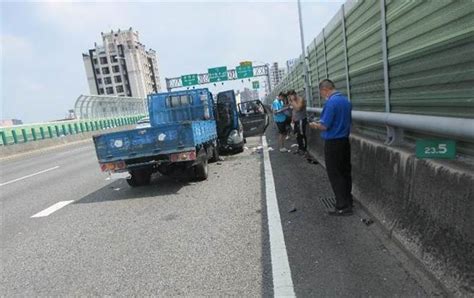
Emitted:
<point x="52" y="209"/>
<point x="28" y="176"/>
<point x="282" y="282"/>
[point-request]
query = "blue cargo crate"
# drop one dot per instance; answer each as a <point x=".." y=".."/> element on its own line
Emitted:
<point x="186" y="105"/>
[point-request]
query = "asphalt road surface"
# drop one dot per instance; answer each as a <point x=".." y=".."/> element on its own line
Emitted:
<point x="68" y="229"/>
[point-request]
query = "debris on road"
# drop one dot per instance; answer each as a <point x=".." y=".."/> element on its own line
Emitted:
<point x="292" y="210"/>
<point x="367" y="221"/>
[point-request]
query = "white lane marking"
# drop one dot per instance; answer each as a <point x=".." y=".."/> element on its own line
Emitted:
<point x="52" y="209"/>
<point x="28" y="176"/>
<point x="282" y="282"/>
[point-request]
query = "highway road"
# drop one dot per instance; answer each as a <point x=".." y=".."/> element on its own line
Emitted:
<point x="68" y="229"/>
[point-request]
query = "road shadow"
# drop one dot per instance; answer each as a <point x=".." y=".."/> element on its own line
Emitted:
<point x="120" y="190"/>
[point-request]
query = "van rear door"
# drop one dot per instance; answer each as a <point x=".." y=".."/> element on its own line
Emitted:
<point x="254" y="118"/>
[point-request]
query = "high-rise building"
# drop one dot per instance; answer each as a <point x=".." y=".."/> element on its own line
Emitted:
<point x="290" y="64"/>
<point x="276" y="74"/>
<point x="121" y="66"/>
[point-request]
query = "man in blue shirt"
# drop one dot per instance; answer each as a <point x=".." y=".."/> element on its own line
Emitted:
<point x="279" y="117"/>
<point x="335" y="125"/>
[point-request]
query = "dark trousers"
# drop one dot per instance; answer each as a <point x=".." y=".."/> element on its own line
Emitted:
<point x="300" y="128"/>
<point x="337" y="154"/>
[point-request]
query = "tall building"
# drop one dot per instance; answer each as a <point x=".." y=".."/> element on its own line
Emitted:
<point x="276" y="74"/>
<point x="290" y="64"/>
<point x="121" y="66"/>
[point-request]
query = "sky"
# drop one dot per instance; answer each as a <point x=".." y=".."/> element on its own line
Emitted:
<point x="42" y="71"/>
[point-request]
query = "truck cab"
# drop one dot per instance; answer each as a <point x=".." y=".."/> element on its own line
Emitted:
<point x="234" y="123"/>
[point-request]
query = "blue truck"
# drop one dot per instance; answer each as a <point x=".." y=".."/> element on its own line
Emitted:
<point x="187" y="130"/>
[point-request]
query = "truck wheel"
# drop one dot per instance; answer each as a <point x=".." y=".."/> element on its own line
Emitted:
<point x="139" y="178"/>
<point x="201" y="170"/>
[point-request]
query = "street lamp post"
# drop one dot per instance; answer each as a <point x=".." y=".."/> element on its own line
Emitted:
<point x="305" y="65"/>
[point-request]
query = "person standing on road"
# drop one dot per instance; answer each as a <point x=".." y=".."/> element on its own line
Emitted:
<point x="300" y="120"/>
<point x="278" y="107"/>
<point x="288" y="113"/>
<point x="335" y="125"/>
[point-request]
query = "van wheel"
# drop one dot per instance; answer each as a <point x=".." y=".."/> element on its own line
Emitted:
<point x="239" y="150"/>
<point x="139" y="178"/>
<point x="201" y="170"/>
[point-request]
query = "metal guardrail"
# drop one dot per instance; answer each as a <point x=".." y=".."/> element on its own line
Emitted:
<point x="35" y="132"/>
<point x="459" y="128"/>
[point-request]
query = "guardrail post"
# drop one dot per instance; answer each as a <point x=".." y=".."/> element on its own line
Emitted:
<point x="76" y="128"/>
<point x="383" y="22"/>
<point x="50" y="132"/>
<point x="33" y="133"/>
<point x="394" y="134"/>
<point x="346" y="58"/>
<point x="57" y="131"/>
<point x="42" y="133"/>
<point x="15" y="137"/>
<point x="64" y="129"/>
<point x="25" y="137"/>
<point x="325" y="57"/>
<point x="4" y="138"/>
<point x="81" y="126"/>
<point x="69" y="126"/>
<point x="87" y="126"/>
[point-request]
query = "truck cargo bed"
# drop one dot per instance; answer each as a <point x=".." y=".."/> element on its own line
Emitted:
<point x="153" y="141"/>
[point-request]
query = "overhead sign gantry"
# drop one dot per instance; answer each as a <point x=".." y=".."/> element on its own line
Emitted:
<point x="220" y="74"/>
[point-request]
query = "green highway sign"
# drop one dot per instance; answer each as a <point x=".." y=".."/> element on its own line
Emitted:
<point x="189" y="80"/>
<point x="244" y="71"/>
<point x="218" y="74"/>
<point x="256" y="84"/>
<point x="437" y="149"/>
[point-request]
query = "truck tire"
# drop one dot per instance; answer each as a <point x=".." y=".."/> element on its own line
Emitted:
<point x="201" y="170"/>
<point x="139" y="178"/>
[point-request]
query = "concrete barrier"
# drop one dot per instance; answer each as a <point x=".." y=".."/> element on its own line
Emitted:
<point x="14" y="150"/>
<point x="427" y="206"/>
